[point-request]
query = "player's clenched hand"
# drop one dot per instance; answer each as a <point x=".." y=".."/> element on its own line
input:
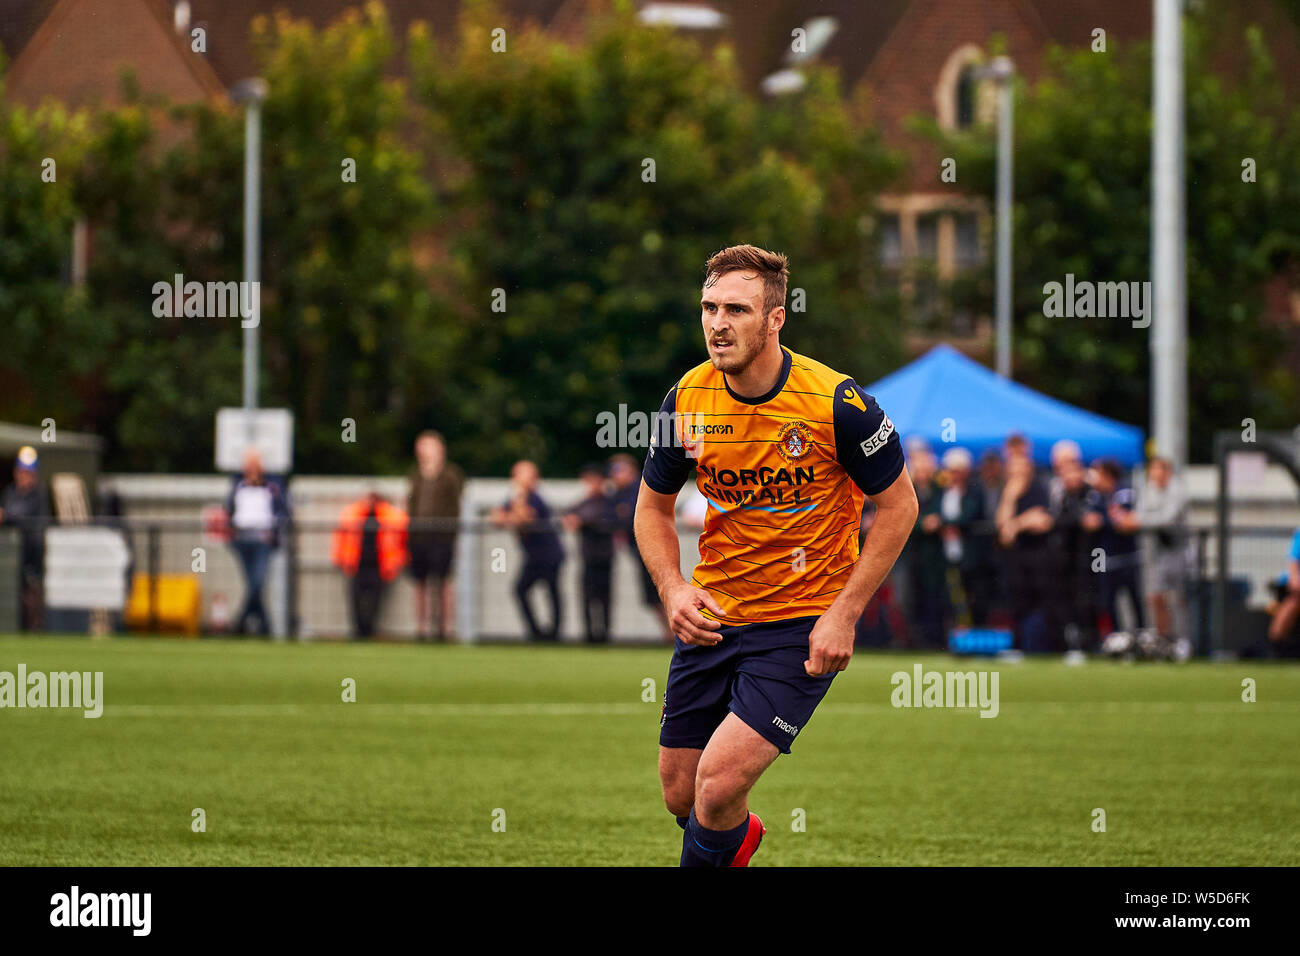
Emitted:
<point x="830" y="645"/>
<point x="682" y="605"/>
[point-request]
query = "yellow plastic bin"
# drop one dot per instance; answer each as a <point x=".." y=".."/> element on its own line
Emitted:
<point x="179" y="604"/>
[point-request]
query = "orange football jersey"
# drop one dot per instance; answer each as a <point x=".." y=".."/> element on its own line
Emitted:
<point x="784" y="474"/>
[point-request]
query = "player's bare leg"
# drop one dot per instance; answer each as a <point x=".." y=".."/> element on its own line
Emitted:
<point x="677" y="766"/>
<point x="730" y="765"/>
<point x="421" y="609"/>
<point x="708" y="791"/>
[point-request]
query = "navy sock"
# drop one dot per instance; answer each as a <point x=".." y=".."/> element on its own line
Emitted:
<point x="715" y="848"/>
<point x="682" y="821"/>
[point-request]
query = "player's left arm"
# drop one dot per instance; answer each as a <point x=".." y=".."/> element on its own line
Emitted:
<point x="868" y="448"/>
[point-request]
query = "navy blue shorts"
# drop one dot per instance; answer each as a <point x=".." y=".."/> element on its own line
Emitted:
<point x="756" y="673"/>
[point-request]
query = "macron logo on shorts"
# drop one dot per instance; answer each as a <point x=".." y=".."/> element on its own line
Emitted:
<point x="790" y="729"/>
<point x="878" y="440"/>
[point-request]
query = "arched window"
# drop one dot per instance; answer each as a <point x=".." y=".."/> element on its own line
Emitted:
<point x="957" y="92"/>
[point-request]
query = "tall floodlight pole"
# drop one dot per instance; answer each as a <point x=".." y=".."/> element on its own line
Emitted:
<point x="1003" y="73"/>
<point x="1168" y="334"/>
<point x="251" y="92"/>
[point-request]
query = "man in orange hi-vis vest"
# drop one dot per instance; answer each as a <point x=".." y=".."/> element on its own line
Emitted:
<point x="784" y="451"/>
<point x="370" y="547"/>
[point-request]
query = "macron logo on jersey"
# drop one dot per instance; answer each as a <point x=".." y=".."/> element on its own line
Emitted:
<point x="878" y="440"/>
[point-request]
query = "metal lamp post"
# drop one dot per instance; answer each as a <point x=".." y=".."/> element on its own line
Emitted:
<point x="251" y="92"/>
<point x="1003" y="73"/>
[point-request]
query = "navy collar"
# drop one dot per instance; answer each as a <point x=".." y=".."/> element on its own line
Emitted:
<point x="773" y="392"/>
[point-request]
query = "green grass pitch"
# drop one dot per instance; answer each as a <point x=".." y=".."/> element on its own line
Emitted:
<point x="440" y="738"/>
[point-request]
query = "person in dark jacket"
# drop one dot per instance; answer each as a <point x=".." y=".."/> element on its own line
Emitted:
<point x="25" y="505"/>
<point x="625" y="477"/>
<point x="257" y="510"/>
<point x="530" y="516"/>
<point x="592" y="519"/>
<point x="927" y="586"/>
<point x="1112" y="504"/>
<point x="1024" y="527"/>
<point x="1073" y="585"/>
<point x="967" y="534"/>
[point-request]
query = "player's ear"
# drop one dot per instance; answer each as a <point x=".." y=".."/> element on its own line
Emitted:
<point x="777" y="316"/>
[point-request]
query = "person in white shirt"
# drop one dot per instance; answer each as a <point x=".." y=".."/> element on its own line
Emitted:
<point x="257" y="511"/>
<point x="1162" y="512"/>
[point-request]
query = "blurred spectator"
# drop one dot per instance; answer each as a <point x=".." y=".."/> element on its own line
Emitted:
<point x="257" y="509"/>
<point x="1063" y="451"/>
<point x="882" y="623"/>
<point x="1024" y="525"/>
<point x="1286" y="608"/>
<point x="1072" y="583"/>
<point x="626" y="476"/>
<point x="991" y="477"/>
<point x="370" y="547"/>
<point x="694" y="510"/>
<point x="593" y="520"/>
<point x="1017" y="447"/>
<point x="436" y="486"/>
<point x="1113" y="503"/>
<point x="989" y="481"/>
<point x="530" y="517"/>
<point x="966" y="542"/>
<point x="25" y="505"/>
<point x="928" y="599"/>
<point x="1162" y="513"/>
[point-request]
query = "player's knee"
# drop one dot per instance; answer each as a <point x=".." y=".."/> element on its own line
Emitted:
<point x="717" y="789"/>
<point x="679" y="793"/>
<point x="678" y="804"/>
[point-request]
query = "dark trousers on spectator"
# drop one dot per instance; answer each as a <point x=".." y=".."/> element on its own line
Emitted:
<point x="930" y="607"/>
<point x="980" y="584"/>
<point x="597" y="577"/>
<point x="254" y="557"/>
<point x="31" y="595"/>
<point x="1029" y="577"/>
<point x="548" y="573"/>
<point x="1075" y="600"/>
<point x="1114" y="580"/>
<point x="367" y="593"/>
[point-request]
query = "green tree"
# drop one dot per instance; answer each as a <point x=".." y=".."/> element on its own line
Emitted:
<point x="346" y="323"/>
<point x="40" y="152"/>
<point x="589" y="183"/>
<point x="348" y="330"/>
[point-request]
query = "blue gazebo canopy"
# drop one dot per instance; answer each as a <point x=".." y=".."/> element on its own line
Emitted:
<point x="984" y="409"/>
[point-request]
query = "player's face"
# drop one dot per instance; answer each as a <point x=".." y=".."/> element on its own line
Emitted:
<point x="735" y="328"/>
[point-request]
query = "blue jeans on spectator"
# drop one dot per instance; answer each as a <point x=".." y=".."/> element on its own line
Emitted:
<point x="254" y="556"/>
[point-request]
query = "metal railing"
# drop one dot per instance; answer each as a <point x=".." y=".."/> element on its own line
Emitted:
<point x="307" y="599"/>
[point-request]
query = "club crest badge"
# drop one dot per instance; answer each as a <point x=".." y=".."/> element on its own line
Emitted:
<point x="793" y="441"/>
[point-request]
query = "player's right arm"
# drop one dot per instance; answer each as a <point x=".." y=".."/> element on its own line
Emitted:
<point x="655" y="528"/>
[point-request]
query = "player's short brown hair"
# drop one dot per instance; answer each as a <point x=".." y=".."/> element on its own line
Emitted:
<point x="772" y="267"/>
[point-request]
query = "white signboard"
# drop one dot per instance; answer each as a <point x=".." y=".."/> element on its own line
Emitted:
<point x="1246" y="469"/>
<point x="85" y="567"/>
<point x="270" y="430"/>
